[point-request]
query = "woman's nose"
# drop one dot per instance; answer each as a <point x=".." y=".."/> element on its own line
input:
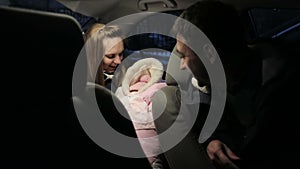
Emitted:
<point x="118" y="59"/>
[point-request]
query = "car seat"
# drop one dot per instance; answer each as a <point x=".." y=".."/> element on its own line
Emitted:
<point x="40" y="49"/>
<point x="40" y="127"/>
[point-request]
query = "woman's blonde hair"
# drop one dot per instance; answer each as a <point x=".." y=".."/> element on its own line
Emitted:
<point x="95" y="50"/>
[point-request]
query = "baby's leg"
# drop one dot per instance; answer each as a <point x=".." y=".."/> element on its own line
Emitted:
<point x="149" y="143"/>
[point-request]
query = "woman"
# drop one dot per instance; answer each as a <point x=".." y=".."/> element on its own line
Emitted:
<point x="104" y="47"/>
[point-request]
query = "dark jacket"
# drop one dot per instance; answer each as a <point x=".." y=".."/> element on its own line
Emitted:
<point x="259" y="122"/>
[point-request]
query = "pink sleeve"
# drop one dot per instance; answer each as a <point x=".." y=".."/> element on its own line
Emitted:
<point x="147" y="94"/>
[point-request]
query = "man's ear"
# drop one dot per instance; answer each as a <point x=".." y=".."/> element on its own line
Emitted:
<point x="211" y="53"/>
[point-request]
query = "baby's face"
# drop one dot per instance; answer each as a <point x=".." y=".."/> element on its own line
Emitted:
<point x="145" y="78"/>
<point x="142" y="81"/>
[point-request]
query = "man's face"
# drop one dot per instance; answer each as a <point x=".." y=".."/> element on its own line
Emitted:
<point x="189" y="60"/>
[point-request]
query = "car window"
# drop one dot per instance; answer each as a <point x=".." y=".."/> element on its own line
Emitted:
<point x="51" y="6"/>
<point x="273" y="23"/>
<point x="150" y="44"/>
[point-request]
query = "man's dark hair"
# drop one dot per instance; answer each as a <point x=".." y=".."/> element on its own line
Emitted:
<point x="222" y="25"/>
<point x="218" y="21"/>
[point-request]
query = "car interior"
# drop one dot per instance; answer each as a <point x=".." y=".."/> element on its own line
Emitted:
<point x="41" y="42"/>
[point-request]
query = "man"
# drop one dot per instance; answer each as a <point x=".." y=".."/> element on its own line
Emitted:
<point x="248" y="135"/>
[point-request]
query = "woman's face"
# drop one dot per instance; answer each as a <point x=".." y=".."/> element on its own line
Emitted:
<point x="113" y="54"/>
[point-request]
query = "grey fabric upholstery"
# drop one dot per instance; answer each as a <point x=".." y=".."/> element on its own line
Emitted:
<point x="110" y="108"/>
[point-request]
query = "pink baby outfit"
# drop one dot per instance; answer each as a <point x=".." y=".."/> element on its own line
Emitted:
<point x="140" y="83"/>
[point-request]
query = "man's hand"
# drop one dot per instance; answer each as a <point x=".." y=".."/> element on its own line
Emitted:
<point x="219" y="153"/>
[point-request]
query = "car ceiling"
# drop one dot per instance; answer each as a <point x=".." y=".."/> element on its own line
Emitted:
<point x="108" y="10"/>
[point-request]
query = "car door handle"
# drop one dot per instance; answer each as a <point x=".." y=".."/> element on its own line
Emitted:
<point x="143" y="4"/>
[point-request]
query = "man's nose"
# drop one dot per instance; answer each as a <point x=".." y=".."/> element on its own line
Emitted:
<point x="182" y="64"/>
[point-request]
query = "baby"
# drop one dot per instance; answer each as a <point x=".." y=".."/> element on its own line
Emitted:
<point x="140" y="83"/>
